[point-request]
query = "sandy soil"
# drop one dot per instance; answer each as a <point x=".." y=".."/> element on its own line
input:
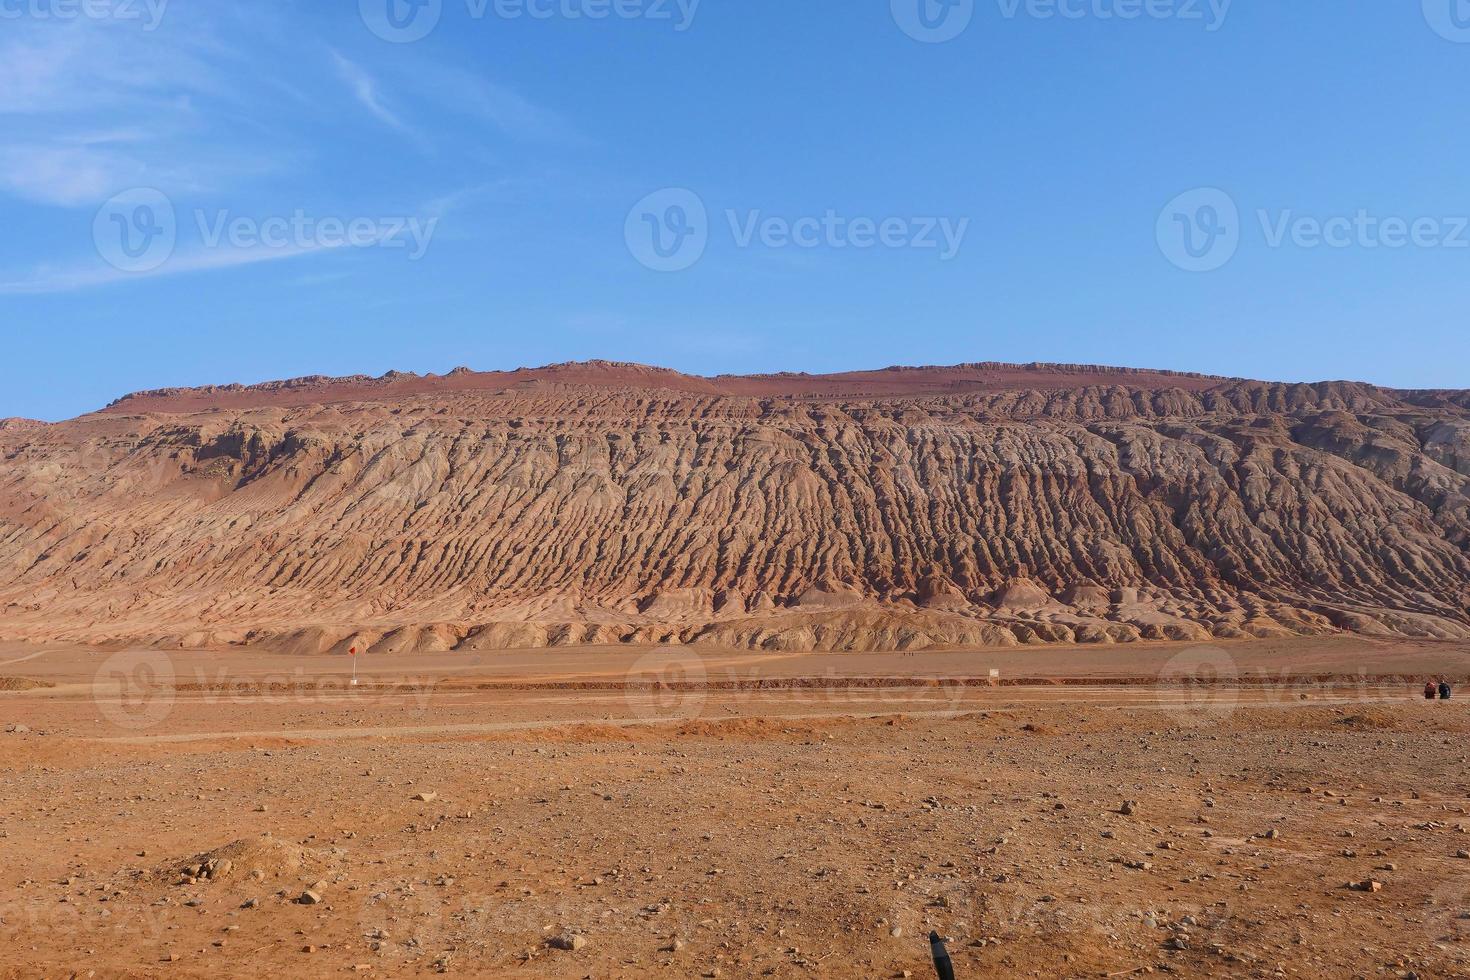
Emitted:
<point x="673" y="814"/>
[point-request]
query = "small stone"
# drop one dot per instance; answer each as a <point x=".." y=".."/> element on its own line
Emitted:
<point x="1127" y="808"/>
<point x="309" y="897"/>
<point x="569" y="941"/>
<point x="425" y="797"/>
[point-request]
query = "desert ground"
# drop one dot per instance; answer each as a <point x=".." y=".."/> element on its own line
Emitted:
<point x="1265" y="808"/>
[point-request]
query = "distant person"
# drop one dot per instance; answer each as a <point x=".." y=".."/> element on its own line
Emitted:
<point x="1444" y="690"/>
<point x="1429" y="690"/>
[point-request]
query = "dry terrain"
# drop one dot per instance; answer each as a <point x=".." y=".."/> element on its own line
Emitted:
<point x="685" y="812"/>
<point x="982" y="505"/>
<point x="601" y="670"/>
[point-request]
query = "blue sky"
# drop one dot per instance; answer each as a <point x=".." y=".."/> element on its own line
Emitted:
<point x="833" y="187"/>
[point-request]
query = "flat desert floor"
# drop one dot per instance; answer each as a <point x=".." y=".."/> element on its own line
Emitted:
<point x="1269" y="809"/>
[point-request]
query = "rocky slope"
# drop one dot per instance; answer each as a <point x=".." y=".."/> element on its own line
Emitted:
<point x="602" y="503"/>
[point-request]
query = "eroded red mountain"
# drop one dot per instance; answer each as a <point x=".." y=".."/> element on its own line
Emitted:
<point x="979" y="504"/>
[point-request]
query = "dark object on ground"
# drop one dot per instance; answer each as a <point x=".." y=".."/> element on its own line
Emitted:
<point x="942" y="965"/>
<point x="1444" y="690"/>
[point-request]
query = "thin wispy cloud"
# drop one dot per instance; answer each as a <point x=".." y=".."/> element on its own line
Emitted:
<point x="91" y="108"/>
<point x="45" y="281"/>
<point x="454" y="89"/>
<point x="66" y="176"/>
<point x="50" y="279"/>
<point x="365" y="89"/>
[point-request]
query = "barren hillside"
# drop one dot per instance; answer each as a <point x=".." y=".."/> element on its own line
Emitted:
<point x="980" y="504"/>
